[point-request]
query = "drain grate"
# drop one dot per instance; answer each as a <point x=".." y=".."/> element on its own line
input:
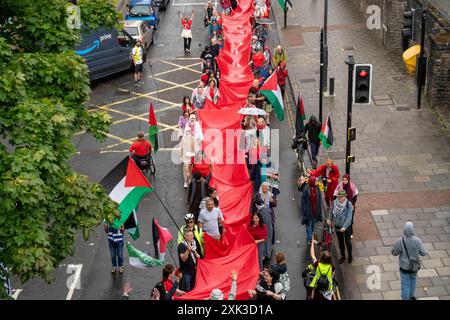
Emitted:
<point x="385" y="100"/>
<point x="352" y="48"/>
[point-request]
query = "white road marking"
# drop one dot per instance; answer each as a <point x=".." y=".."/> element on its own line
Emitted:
<point x="76" y="279"/>
<point x="16" y="293"/>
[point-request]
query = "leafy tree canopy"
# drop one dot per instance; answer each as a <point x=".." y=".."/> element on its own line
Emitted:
<point x="44" y="88"/>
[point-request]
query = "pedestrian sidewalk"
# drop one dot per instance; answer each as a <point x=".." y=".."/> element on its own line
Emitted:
<point x="402" y="155"/>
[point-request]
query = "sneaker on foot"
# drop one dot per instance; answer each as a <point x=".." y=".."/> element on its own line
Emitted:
<point x="350" y="259"/>
<point x="412" y="298"/>
<point x="113" y="270"/>
<point x="185" y="185"/>
<point x="188" y="51"/>
<point x="342" y="260"/>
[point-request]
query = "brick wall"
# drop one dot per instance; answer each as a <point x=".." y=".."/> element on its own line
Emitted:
<point x="438" y="75"/>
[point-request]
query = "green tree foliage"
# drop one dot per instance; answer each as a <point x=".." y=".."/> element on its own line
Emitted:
<point x="44" y="88"/>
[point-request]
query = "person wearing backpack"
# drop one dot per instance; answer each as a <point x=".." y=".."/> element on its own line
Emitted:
<point x="322" y="285"/>
<point x="281" y="268"/>
<point x="408" y="248"/>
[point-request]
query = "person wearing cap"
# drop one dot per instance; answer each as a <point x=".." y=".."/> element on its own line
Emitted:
<point x="352" y="194"/>
<point x="141" y="148"/>
<point x="197" y="231"/>
<point x="341" y="215"/>
<point x="278" y="56"/>
<point x="217" y="294"/>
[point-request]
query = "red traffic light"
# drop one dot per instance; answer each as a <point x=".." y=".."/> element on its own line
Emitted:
<point x="363" y="73"/>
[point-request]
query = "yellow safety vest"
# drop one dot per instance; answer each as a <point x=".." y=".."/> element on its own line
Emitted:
<point x="138" y="55"/>
<point x="323" y="269"/>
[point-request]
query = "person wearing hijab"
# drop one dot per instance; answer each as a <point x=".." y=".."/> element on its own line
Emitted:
<point x="341" y="215"/>
<point x="311" y="207"/>
<point x="186" y="154"/>
<point x="182" y="122"/>
<point x="352" y="195"/>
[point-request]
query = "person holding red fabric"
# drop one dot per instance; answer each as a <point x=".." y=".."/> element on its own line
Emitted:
<point x="168" y="273"/>
<point x="258" y="230"/>
<point x="282" y="74"/>
<point x="257" y="61"/>
<point x="212" y="92"/>
<point x="202" y="166"/>
<point x="329" y="171"/>
<point x="187" y="105"/>
<point x="311" y="207"/>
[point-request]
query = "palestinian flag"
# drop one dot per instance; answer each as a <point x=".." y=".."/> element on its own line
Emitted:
<point x="300" y="116"/>
<point x="132" y="225"/>
<point x="326" y="135"/>
<point x="139" y="259"/>
<point x="126" y="185"/>
<point x="161" y="239"/>
<point x="153" y="128"/>
<point x="283" y="4"/>
<point x="271" y="90"/>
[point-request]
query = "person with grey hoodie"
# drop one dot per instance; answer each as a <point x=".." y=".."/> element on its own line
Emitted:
<point x="408" y="248"/>
<point x="341" y="215"/>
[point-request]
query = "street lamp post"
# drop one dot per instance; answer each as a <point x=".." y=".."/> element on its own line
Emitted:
<point x="325" y="47"/>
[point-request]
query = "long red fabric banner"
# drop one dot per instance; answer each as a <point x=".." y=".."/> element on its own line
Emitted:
<point x="237" y="249"/>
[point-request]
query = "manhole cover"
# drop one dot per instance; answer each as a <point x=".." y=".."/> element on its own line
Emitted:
<point x="307" y="80"/>
<point x="348" y="48"/>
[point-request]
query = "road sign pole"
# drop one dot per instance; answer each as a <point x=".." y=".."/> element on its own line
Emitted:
<point x="321" y="77"/>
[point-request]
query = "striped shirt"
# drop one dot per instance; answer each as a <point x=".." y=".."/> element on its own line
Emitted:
<point x="115" y="235"/>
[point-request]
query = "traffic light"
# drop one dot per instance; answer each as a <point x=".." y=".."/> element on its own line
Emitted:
<point x="362" y="84"/>
<point x="351" y="134"/>
<point x="407" y="30"/>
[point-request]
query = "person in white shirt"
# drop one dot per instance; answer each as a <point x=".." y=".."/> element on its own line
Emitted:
<point x="210" y="219"/>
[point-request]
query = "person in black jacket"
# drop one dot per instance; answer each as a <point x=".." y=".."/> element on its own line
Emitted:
<point x="196" y="192"/>
<point x="313" y="128"/>
<point x="311" y="207"/>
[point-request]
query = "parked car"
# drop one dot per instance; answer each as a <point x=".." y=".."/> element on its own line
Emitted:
<point x="139" y="30"/>
<point x="145" y="10"/>
<point x="162" y="4"/>
<point x="106" y="52"/>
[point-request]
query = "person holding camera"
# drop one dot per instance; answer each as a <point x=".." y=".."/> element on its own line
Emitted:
<point x="409" y="248"/>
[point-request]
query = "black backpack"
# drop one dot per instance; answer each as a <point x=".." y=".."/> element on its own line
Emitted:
<point x="322" y="283"/>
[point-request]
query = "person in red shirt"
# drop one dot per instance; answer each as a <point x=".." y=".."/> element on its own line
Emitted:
<point x="329" y="171"/>
<point x="258" y="231"/>
<point x="282" y="74"/>
<point x="141" y="149"/>
<point x="257" y="61"/>
<point x="168" y="273"/>
<point x="186" y="33"/>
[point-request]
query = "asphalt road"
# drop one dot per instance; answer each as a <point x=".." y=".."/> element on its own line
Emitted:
<point x="169" y="75"/>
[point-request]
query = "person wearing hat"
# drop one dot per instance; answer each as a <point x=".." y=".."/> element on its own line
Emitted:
<point x="341" y="215"/>
<point x="198" y="232"/>
<point x="352" y="194"/>
<point x="217" y="294"/>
